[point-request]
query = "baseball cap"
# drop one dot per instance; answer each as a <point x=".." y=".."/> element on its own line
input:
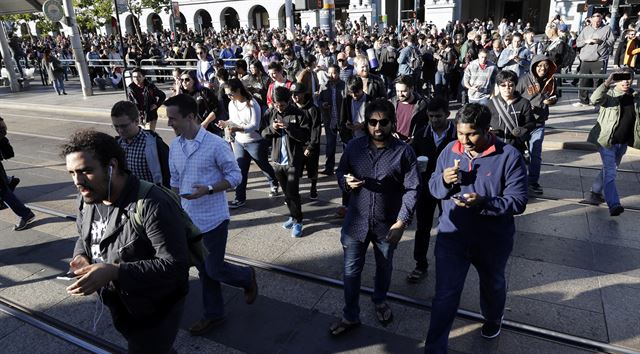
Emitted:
<point x="298" y="87"/>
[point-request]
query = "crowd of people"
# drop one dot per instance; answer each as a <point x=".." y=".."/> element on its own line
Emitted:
<point x="387" y="101"/>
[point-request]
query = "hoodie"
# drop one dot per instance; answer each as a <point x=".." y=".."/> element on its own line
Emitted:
<point x="537" y="89"/>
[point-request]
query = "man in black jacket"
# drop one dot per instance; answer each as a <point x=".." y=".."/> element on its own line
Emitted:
<point x="330" y="101"/>
<point x="427" y="143"/>
<point x="143" y="279"/>
<point x="303" y="101"/>
<point x="411" y="108"/>
<point x="289" y="130"/>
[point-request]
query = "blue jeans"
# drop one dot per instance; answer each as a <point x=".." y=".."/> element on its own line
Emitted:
<point x="258" y="152"/>
<point x="482" y="101"/>
<point x="442" y="84"/>
<point x="332" y="140"/>
<point x="535" y="152"/>
<point x="215" y="270"/>
<point x="58" y="83"/>
<point x="354" y="257"/>
<point x="605" y="181"/>
<point x="454" y="254"/>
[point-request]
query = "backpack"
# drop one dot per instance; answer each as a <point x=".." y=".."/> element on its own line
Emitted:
<point x="415" y="60"/>
<point x="197" y="252"/>
<point x="569" y="56"/>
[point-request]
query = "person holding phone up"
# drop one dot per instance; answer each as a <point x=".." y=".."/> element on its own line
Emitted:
<point x="539" y="87"/>
<point x="615" y="129"/>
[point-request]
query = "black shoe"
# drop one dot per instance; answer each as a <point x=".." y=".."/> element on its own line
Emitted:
<point x="535" y="189"/>
<point x="3" y="205"/>
<point x="13" y="183"/>
<point x="326" y="172"/>
<point x="313" y="195"/>
<point x="593" y="199"/>
<point x="24" y="222"/>
<point x="616" y="210"/>
<point x="490" y="330"/>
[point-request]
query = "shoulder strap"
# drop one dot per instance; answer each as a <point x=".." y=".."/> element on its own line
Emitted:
<point x="502" y="114"/>
<point x="143" y="190"/>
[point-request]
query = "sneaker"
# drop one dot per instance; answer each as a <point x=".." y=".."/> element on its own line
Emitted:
<point x="579" y="104"/>
<point x="616" y="210"/>
<point x="288" y="224"/>
<point x="296" y="231"/>
<point x="3" y="205"/>
<point x="593" y="199"/>
<point x="236" y="204"/>
<point x="535" y="188"/>
<point x="490" y="330"/>
<point x="273" y="192"/>
<point x="24" y="222"/>
<point x="341" y="212"/>
<point x="13" y="182"/>
<point x="326" y="172"/>
<point x="313" y="195"/>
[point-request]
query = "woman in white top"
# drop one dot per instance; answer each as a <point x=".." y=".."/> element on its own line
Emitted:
<point x="244" y="121"/>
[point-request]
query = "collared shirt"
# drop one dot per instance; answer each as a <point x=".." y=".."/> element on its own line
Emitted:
<point x="136" y="159"/>
<point x="205" y="160"/>
<point x="390" y="190"/>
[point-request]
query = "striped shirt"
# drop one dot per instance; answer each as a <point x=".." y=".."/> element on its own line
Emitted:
<point x="205" y="160"/>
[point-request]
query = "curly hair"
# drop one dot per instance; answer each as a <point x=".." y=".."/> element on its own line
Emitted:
<point x="103" y="146"/>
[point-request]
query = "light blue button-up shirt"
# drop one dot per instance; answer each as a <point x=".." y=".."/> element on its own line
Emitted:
<point x="205" y="160"/>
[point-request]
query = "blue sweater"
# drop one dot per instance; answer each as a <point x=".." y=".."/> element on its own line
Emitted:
<point x="499" y="175"/>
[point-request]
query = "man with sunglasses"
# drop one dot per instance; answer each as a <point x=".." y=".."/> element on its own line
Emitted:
<point x="595" y="43"/>
<point x="379" y="172"/>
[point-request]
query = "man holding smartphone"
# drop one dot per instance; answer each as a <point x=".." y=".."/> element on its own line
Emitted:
<point x="595" y="43"/>
<point x="380" y="173"/>
<point x="539" y="87"/>
<point x="482" y="183"/>
<point x="613" y="132"/>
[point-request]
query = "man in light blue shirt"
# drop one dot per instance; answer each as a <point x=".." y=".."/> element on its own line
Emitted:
<point x="202" y="168"/>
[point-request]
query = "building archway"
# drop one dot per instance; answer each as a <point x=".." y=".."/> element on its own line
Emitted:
<point x="229" y="18"/>
<point x="202" y="20"/>
<point x="180" y="24"/>
<point x="129" y="24"/>
<point x="258" y="17"/>
<point x="154" y="23"/>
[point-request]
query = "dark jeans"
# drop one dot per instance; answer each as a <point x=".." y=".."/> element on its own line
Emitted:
<point x="354" y="257"/>
<point x="148" y="336"/>
<point x="215" y="271"/>
<point x="311" y="163"/>
<point x="425" y="207"/>
<point x="589" y="67"/>
<point x="454" y="255"/>
<point x="9" y="198"/>
<point x="257" y="151"/>
<point x="332" y="140"/>
<point x="289" y="179"/>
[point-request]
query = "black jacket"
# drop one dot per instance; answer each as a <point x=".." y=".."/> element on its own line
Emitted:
<point x="153" y="269"/>
<point x="424" y="145"/>
<point x="297" y="134"/>
<point x="325" y="97"/>
<point x="315" y="124"/>
<point x="144" y="98"/>
<point x="376" y="87"/>
<point x="520" y="116"/>
<point x="419" y="117"/>
<point x="345" y="116"/>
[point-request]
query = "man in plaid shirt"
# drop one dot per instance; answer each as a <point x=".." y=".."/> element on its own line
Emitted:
<point x="147" y="155"/>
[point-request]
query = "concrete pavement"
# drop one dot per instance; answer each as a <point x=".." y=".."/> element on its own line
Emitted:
<point x="574" y="269"/>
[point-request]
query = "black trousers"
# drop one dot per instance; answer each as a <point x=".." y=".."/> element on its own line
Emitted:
<point x="289" y="180"/>
<point x="425" y="207"/>
<point x="311" y="163"/>
<point x="589" y="67"/>
<point x="152" y="336"/>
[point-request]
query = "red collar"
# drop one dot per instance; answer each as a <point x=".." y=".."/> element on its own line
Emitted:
<point x="458" y="148"/>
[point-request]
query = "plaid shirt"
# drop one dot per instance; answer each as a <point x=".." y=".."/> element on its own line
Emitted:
<point x="205" y="160"/>
<point x="136" y="158"/>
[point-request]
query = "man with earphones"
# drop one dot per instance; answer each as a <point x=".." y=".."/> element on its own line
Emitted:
<point x="142" y="279"/>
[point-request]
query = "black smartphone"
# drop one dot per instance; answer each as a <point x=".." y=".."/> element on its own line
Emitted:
<point x="621" y="76"/>
<point x="460" y="197"/>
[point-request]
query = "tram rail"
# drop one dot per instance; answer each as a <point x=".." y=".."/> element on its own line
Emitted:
<point x="519" y="327"/>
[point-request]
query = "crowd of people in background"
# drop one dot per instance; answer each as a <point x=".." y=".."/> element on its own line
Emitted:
<point x="386" y="99"/>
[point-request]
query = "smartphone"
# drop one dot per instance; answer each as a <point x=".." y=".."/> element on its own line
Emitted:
<point x="67" y="276"/>
<point x="460" y="197"/>
<point x="621" y="76"/>
<point x="185" y="195"/>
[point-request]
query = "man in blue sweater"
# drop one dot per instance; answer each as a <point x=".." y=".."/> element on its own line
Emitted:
<point x="482" y="183"/>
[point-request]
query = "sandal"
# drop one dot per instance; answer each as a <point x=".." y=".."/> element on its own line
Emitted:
<point x="339" y="328"/>
<point x="384" y="314"/>
<point x="416" y="275"/>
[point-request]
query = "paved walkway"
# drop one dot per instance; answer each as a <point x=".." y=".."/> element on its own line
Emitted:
<point x="574" y="269"/>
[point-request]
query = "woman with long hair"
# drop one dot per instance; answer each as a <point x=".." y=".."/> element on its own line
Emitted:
<point x="248" y="144"/>
<point x="258" y="82"/>
<point x="206" y="100"/>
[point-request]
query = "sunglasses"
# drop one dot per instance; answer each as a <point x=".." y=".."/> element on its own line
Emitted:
<point x="375" y="122"/>
<point x="186" y="79"/>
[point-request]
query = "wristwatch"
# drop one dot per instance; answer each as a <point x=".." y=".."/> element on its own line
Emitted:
<point x="210" y="189"/>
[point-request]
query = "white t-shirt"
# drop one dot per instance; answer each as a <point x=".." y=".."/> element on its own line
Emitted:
<point x="247" y="117"/>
